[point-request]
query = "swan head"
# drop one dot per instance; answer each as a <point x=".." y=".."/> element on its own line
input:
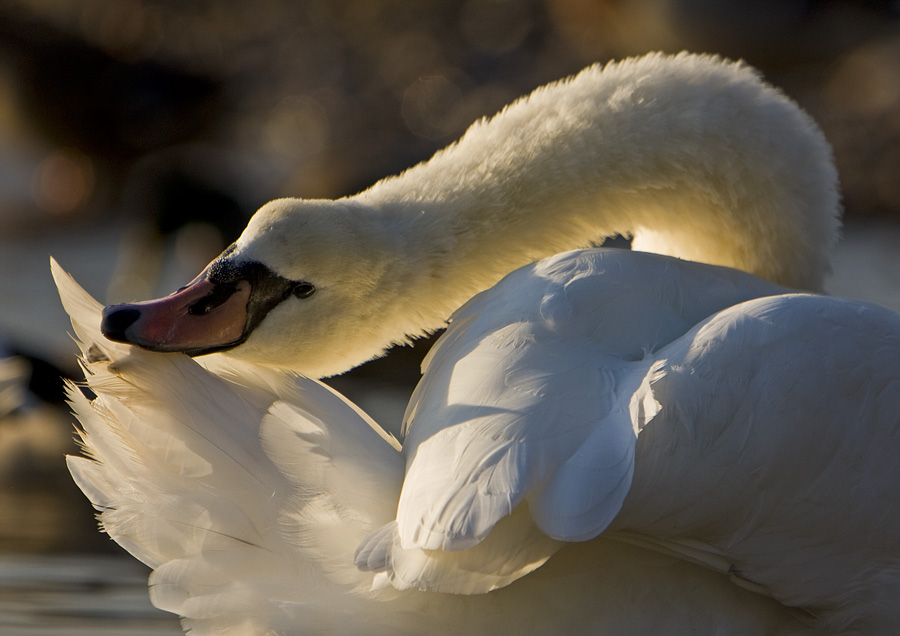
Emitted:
<point x="301" y="288"/>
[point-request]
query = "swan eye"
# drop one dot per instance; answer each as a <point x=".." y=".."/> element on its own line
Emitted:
<point x="303" y="290"/>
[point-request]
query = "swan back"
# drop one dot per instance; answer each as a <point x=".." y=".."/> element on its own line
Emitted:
<point x="541" y="378"/>
<point x="248" y="490"/>
<point x="782" y="416"/>
<point x="713" y="414"/>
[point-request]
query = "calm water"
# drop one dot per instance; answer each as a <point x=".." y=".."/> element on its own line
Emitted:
<point x="77" y="594"/>
<point x="59" y="577"/>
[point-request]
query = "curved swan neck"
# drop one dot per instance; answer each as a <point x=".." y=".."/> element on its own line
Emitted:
<point x="692" y="156"/>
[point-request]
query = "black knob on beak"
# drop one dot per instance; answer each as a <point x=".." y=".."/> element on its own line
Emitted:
<point x="116" y="319"/>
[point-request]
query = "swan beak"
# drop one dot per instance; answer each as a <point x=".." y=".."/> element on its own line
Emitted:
<point x="202" y="317"/>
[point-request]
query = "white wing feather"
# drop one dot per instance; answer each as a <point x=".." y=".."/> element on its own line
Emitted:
<point x="779" y="423"/>
<point x="759" y="444"/>
<point x="535" y="395"/>
<point x="179" y="468"/>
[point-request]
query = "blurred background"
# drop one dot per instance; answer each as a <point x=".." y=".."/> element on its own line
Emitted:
<point x="138" y="136"/>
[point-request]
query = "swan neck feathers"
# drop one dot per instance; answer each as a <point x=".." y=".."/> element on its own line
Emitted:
<point x="691" y="155"/>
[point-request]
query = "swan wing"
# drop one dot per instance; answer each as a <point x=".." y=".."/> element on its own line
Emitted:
<point x="479" y="507"/>
<point x="550" y="424"/>
<point x="228" y="484"/>
<point x="538" y="389"/>
<point x="534" y="397"/>
<point x="779" y="422"/>
<point x="513" y="420"/>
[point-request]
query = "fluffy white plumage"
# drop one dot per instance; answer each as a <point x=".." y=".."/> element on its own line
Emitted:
<point x="720" y="444"/>
<point x="690" y="155"/>
<point x="603" y="442"/>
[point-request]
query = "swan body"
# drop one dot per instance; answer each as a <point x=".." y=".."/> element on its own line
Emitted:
<point x="602" y="441"/>
<point x="660" y="482"/>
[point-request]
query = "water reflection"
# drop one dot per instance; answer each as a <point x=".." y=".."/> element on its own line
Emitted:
<point x="59" y="576"/>
<point x="78" y="595"/>
<point x="45" y="521"/>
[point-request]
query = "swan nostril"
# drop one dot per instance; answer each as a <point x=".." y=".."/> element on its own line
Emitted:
<point x="116" y="320"/>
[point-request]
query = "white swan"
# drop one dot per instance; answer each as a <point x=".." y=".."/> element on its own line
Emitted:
<point x="602" y="442"/>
